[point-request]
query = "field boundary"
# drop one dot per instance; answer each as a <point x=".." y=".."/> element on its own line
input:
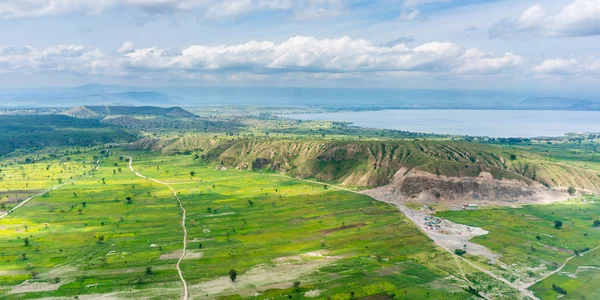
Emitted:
<point x="183" y="282"/>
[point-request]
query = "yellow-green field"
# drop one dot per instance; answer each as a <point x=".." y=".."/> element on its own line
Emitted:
<point x="284" y="237"/>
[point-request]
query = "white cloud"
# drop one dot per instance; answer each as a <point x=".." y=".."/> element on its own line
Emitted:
<point x="127" y="47"/>
<point x="475" y="61"/>
<point x="409" y="15"/>
<point x="13" y="9"/>
<point x="328" y="58"/>
<point x="10" y="9"/>
<point x="580" y="18"/>
<point x="560" y="66"/>
<point x="414" y="3"/>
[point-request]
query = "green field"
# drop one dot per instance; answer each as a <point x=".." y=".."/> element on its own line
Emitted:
<point x="85" y="238"/>
<point x="531" y="246"/>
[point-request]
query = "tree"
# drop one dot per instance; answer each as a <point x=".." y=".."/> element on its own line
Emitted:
<point x="572" y="191"/>
<point x="513" y="156"/>
<point x="596" y="223"/>
<point x="128" y="200"/>
<point x="460" y="252"/>
<point x="149" y="270"/>
<point x="83" y="203"/>
<point x="558" y="224"/>
<point x="100" y="239"/>
<point x="192" y="173"/>
<point x="296" y="284"/>
<point x="232" y="275"/>
<point x="26" y="242"/>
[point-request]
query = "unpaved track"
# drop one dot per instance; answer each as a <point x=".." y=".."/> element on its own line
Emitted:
<point x="185" y="285"/>
<point x="51" y="189"/>
<point x="561" y="267"/>
<point x="523" y="290"/>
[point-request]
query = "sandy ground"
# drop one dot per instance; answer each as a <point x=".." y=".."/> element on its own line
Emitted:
<point x="28" y="287"/>
<point x="450" y="235"/>
<point x="263" y="277"/>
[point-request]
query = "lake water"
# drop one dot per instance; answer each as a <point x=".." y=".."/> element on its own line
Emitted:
<point x="493" y="123"/>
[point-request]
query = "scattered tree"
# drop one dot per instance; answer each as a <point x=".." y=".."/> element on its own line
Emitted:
<point x="559" y="289"/>
<point x="149" y="270"/>
<point x="232" y="275"/>
<point x="572" y="191"/>
<point x="596" y="223"/>
<point x="100" y="239"/>
<point x="296" y="284"/>
<point x="26" y="242"/>
<point x="558" y="224"/>
<point x="128" y="200"/>
<point x="192" y="173"/>
<point x="460" y="252"/>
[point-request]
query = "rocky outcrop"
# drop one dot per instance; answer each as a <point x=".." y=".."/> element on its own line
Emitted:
<point x="424" y="187"/>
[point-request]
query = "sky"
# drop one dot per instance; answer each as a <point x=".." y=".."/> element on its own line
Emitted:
<point x="550" y="45"/>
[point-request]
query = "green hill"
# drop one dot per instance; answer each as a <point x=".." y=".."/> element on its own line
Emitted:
<point x="104" y="111"/>
<point x="366" y="164"/>
<point x="34" y="131"/>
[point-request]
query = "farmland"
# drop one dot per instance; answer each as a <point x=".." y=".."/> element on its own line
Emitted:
<point x="531" y="245"/>
<point x="118" y="234"/>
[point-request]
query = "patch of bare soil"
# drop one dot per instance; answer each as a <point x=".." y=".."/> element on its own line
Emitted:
<point x="192" y="254"/>
<point x="423" y="187"/>
<point x="447" y="234"/>
<point x="263" y="277"/>
<point x="343" y="228"/>
<point x="173" y="255"/>
<point x="28" y="287"/>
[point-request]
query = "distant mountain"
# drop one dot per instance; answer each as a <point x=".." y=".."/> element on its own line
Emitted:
<point x="94" y="112"/>
<point x="558" y="103"/>
<point x="131" y="98"/>
<point x="95" y="89"/>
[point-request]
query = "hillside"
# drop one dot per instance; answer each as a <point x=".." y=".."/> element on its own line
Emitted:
<point x="32" y="131"/>
<point x="558" y="103"/>
<point x="104" y="111"/>
<point x="417" y="168"/>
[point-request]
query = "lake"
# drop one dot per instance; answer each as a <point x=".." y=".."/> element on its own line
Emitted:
<point x="493" y="123"/>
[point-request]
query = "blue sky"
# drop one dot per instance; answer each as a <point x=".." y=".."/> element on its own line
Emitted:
<point x="439" y="44"/>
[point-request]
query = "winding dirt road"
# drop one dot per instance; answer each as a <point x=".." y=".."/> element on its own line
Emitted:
<point x="183" y="282"/>
<point x="523" y="290"/>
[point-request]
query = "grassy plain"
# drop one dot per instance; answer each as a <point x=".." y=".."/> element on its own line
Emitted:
<point x="85" y="238"/>
<point x="531" y="245"/>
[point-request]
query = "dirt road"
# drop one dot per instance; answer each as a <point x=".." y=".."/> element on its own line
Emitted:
<point x="183" y="282"/>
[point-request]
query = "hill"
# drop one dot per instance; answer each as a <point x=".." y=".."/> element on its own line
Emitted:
<point x="558" y="103"/>
<point x="34" y="131"/>
<point x="436" y="170"/>
<point x="104" y="111"/>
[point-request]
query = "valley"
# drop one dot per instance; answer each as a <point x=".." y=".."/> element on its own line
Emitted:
<point x="263" y="207"/>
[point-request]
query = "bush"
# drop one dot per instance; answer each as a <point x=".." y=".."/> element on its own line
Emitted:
<point x="558" y="289"/>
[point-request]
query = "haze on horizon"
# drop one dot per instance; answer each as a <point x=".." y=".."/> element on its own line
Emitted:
<point x="549" y="46"/>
